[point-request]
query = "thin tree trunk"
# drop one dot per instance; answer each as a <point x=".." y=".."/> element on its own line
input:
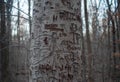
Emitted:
<point x="18" y="40"/>
<point x="89" y="48"/>
<point x="110" y="19"/>
<point x="29" y="13"/>
<point x="118" y="28"/>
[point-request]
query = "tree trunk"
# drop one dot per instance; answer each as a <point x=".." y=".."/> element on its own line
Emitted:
<point x="29" y="13"/>
<point x="55" y="44"/>
<point x="89" y="48"/>
<point x="4" y="48"/>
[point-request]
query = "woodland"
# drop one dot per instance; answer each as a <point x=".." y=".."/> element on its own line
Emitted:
<point x="59" y="40"/>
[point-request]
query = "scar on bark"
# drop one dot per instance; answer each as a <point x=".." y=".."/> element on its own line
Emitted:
<point x="46" y="41"/>
<point x="53" y="27"/>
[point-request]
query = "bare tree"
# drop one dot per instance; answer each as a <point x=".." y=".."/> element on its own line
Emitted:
<point x="4" y="52"/>
<point x="89" y="48"/>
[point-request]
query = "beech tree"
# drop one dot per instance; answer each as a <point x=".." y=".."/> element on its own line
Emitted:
<point x="55" y="41"/>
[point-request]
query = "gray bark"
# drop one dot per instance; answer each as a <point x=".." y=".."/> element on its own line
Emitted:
<point x="55" y="44"/>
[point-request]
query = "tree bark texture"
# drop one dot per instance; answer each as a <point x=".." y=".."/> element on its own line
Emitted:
<point x="56" y="41"/>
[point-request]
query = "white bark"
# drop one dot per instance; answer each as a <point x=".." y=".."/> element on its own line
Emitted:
<point x="55" y="44"/>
